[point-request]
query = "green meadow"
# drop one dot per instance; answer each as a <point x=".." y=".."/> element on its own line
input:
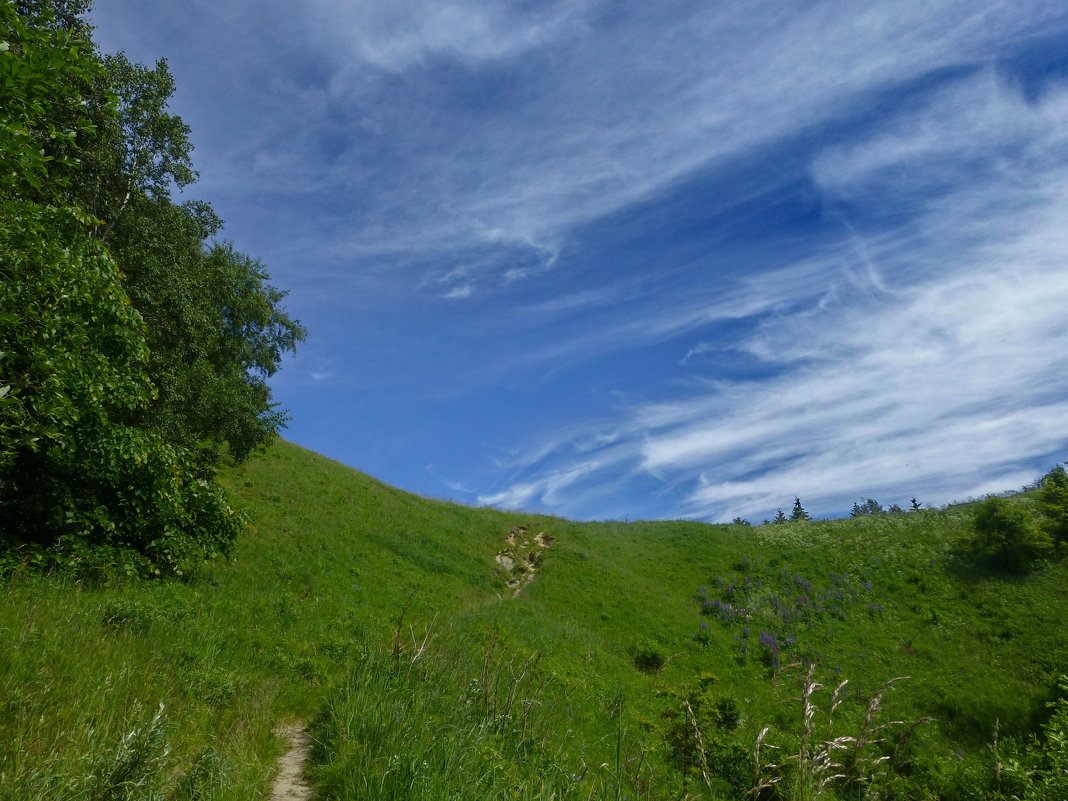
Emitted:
<point x="644" y="660"/>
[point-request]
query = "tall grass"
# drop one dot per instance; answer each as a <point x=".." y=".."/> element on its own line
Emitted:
<point x="429" y="725"/>
<point x="826" y="761"/>
<point x="98" y="705"/>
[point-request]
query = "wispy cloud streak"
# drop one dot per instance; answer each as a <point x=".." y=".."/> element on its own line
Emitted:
<point x="938" y="374"/>
<point x="427" y="150"/>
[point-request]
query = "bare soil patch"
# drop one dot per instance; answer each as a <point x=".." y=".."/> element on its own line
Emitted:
<point x="521" y="557"/>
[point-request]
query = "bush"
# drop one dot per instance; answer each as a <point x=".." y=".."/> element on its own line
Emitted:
<point x="649" y="657"/>
<point x="1037" y="770"/>
<point x="1054" y="496"/>
<point x="699" y="729"/>
<point x="1009" y="536"/>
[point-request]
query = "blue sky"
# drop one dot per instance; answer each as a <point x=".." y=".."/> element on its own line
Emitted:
<point x="619" y="260"/>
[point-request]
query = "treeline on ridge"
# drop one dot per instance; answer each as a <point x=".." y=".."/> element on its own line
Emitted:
<point x="1014" y="535"/>
<point x="135" y="347"/>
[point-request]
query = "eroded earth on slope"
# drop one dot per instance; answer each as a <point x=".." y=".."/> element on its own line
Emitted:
<point x="522" y="556"/>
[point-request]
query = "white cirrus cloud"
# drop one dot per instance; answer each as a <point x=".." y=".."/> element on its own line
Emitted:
<point x="450" y="128"/>
<point x="942" y="371"/>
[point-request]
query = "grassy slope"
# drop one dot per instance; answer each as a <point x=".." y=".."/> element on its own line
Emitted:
<point x="334" y="555"/>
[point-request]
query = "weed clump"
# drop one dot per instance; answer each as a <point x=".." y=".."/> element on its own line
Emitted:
<point x="699" y="727"/>
<point x="649" y="657"/>
<point x="136" y="770"/>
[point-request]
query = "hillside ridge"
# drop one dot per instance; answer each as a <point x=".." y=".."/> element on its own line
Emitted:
<point x="595" y="660"/>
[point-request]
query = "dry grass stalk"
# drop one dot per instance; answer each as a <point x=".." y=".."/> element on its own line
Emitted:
<point x="419" y="646"/>
<point x="818" y="764"/>
<point x="700" y="747"/>
<point x="836" y="701"/>
<point x="862" y="768"/>
<point x="759" y="782"/>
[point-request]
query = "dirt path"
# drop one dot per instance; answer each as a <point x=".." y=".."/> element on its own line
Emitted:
<point x="519" y="559"/>
<point x="289" y="784"/>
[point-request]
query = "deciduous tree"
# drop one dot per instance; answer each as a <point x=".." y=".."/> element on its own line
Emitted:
<point x="130" y="346"/>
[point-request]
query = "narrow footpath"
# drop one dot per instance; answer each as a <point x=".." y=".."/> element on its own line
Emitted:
<point x="519" y="560"/>
<point x="289" y="783"/>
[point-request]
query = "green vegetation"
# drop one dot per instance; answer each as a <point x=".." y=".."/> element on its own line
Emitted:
<point x="1009" y="535"/>
<point x="642" y="661"/>
<point x="1015" y="536"/>
<point x="1054" y="498"/>
<point x="1037" y="770"/>
<point x="133" y="348"/>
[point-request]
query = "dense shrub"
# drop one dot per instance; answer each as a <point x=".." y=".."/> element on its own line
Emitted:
<point x="698" y="727"/>
<point x="1054" y="495"/>
<point x="132" y="349"/>
<point x="1008" y="534"/>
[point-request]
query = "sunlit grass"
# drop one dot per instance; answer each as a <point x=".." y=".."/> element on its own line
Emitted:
<point x="302" y="625"/>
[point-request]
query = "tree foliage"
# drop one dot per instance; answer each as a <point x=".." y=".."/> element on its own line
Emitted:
<point x="47" y="75"/>
<point x="869" y="507"/>
<point x="140" y="149"/>
<point x="75" y="479"/>
<point x="1008" y="534"/>
<point x="1054" y="496"/>
<point x="215" y="327"/>
<point x="133" y="346"/>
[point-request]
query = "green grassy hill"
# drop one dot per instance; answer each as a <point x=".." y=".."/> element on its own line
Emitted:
<point x="641" y="661"/>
